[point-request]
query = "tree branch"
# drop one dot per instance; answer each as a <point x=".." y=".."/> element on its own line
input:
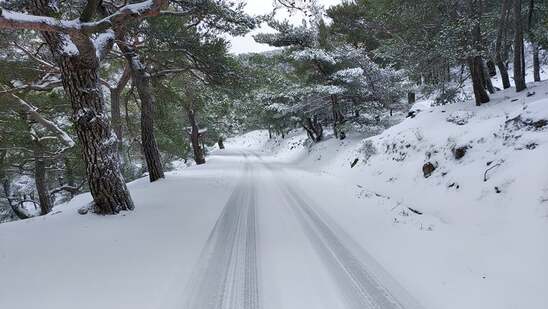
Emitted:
<point x="49" y="125"/>
<point x="15" y="20"/>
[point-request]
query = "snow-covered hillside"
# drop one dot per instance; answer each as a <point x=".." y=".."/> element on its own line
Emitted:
<point x="474" y="229"/>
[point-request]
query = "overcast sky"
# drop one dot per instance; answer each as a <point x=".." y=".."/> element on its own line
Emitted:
<point x="256" y="7"/>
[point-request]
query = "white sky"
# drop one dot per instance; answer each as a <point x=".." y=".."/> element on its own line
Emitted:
<point x="246" y="44"/>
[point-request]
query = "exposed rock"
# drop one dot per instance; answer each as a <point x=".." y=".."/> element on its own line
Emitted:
<point x="413" y="113"/>
<point x="428" y="168"/>
<point x="459" y="152"/>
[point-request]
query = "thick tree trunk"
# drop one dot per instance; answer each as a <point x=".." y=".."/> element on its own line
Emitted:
<point x="221" y="143"/>
<point x="141" y="81"/>
<point x="476" y="72"/>
<point x="105" y="179"/>
<point x="519" y="57"/>
<point x="40" y="178"/>
<point x="195" y="137"/>
<point x="79" y="72"/>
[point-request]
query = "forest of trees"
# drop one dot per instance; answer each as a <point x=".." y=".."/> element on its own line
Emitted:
<point x="97" y="93"/>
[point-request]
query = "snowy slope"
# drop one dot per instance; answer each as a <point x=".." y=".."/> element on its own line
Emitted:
<point x="480" y="238"/>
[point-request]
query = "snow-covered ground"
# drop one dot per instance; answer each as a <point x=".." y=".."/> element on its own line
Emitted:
<point x="480" y="238"/>
<point x="285" y="224"/>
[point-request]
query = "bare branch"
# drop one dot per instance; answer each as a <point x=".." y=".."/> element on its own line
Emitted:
<point x="34" y="57"/>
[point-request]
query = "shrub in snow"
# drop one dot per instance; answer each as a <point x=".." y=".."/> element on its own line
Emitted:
<point x="367" y="149"/>
<point x="460" y="117"/>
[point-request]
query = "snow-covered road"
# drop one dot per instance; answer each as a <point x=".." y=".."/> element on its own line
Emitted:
<point x="242" y="232"/>
<point x="274" y="246"/>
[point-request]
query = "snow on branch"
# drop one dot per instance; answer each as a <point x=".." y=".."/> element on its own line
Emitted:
<point x="49" y="125"/>
<point x="16" y="20"/>
<point x="45" y="84"/>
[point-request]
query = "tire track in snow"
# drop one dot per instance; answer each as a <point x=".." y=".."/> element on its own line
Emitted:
<point x="226" y="276"/>
<point x="363" y="285"/>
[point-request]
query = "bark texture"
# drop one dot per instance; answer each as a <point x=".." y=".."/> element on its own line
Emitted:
<point x="141" y="80"/>
<point x="79" y="71"/>
<point x="476" y="72"/>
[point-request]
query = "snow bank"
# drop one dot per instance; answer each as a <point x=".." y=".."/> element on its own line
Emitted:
<point x="138" y="259"/>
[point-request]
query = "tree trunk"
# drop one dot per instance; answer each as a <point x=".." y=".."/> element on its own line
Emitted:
<point x="79" y="72"/>
<point x="536" y="60"/>
<point x="313" y="128"/>
<point x="105" y="179"/>
<point x="195" y="137"/>
<point x="536" y="63"/>
<point x="519" y="68"/>
<point x="221" y="143"/>
<point x="69" y="175"/>
<point x="115" y="114"/>
<point x="476" y="63"/>
<point x="500" y="41"/>
<point x="141" y="80"/>
<point x="476" y="72"/>
<point x="411" y="98"/>
<point x="487" y="83"/>
<point x="492" y="69"/>
<point x="40" y="178"/>
<point x="338" y="117"/>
